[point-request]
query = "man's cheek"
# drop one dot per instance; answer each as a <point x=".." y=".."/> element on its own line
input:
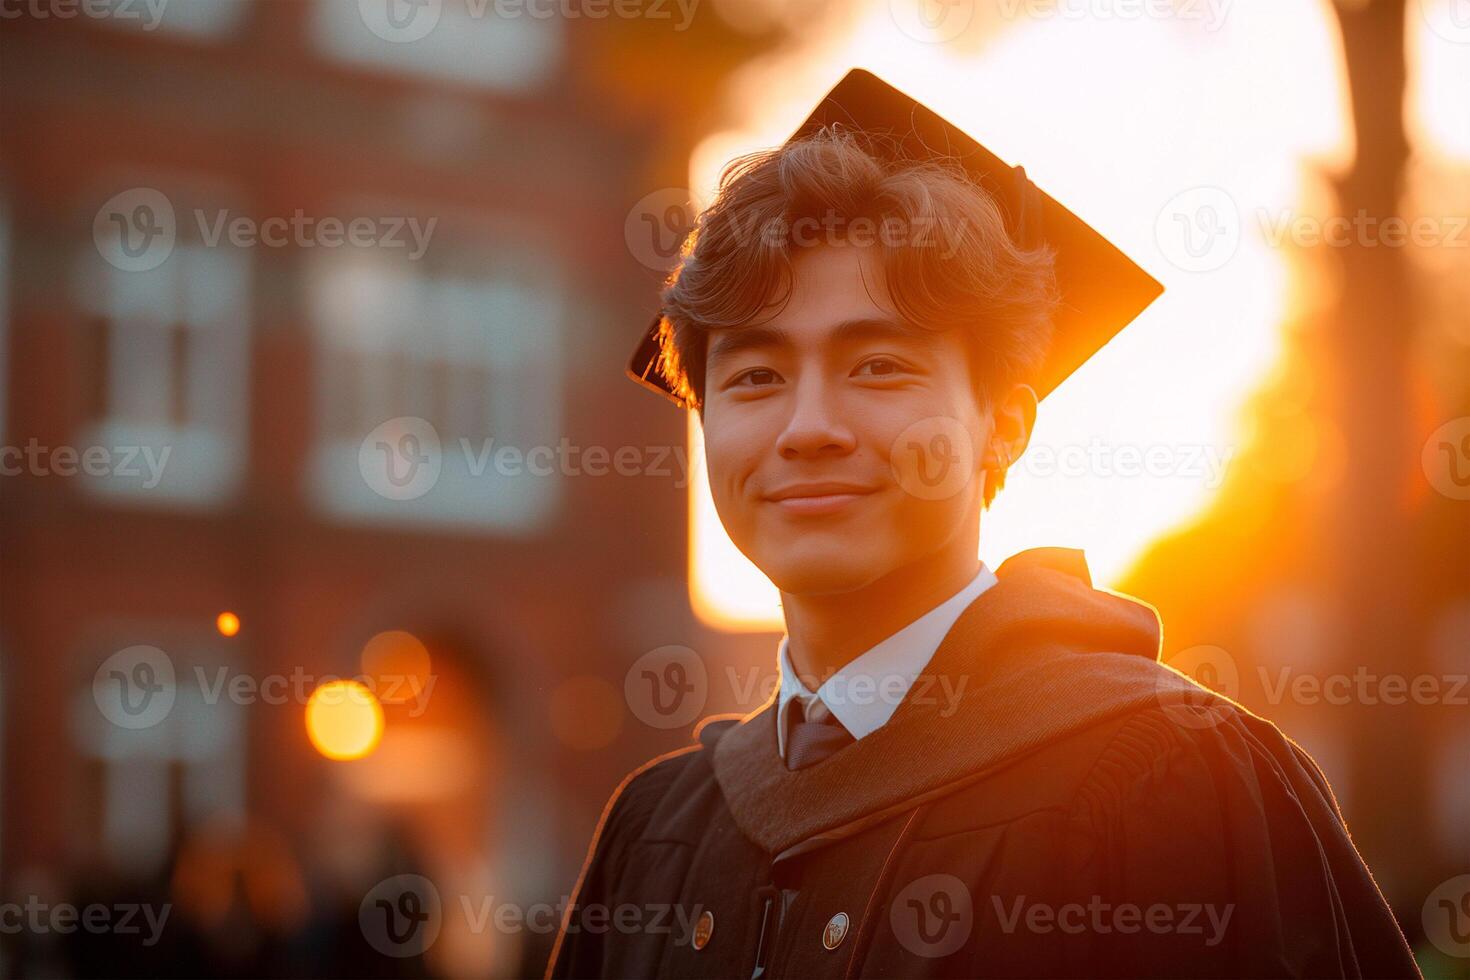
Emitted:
<point x="736" y="502"/>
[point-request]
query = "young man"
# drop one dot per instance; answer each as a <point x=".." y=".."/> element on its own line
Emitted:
<point x="963" y="773"/>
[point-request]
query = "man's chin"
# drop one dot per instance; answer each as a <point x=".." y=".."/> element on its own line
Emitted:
<point x="823" y="574"/>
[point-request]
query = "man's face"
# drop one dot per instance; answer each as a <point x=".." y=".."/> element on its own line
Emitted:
<point x="841" y="445"/>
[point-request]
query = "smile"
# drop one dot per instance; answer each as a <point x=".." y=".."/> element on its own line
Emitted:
<point x="818" y="498"/>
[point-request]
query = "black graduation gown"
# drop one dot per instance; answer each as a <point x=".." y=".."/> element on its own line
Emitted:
<point x="1067" y="806"/>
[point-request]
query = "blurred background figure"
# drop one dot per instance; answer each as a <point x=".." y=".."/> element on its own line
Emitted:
<point x="338" y="573"/>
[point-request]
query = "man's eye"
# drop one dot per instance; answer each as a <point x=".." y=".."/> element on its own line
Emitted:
<point x="878" y="367"/>
<point x="756" y="377"/>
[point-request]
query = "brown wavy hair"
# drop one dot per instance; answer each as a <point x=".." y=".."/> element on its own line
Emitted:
<point x="944" y="253"/>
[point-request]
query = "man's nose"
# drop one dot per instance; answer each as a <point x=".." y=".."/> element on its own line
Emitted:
<point x="816" y="426"/>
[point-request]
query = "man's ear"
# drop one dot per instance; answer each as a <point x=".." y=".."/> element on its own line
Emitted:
<point x="1013" y="416"/>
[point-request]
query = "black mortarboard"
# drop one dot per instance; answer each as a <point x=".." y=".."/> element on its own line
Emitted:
<point x="1102" y="290"/>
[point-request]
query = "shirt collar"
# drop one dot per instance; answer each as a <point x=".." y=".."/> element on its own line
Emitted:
<point x="866" y="691"/>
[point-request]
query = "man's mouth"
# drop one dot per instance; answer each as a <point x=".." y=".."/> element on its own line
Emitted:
<point x="809" y="499"/>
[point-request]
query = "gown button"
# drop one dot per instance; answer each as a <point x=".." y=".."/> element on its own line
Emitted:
<point x="836" y="931"/>
<point x="703" y="929"/>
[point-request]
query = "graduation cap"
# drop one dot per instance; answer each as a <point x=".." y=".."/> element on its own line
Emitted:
<point x="1102" y="290"/>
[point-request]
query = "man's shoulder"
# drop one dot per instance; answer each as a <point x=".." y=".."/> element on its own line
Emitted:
<point x="1184" y="750"/>
<point x="1177" y="743"/>
<point x="658" y="797"/>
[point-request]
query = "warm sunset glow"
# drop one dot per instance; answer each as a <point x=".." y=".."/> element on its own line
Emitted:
<point x="344" y="720"/>
<point x="1263" y="95"/>
<point x="1438" y="39"/>
<point x="227" y="623"/>
<point x="415" y="765"/>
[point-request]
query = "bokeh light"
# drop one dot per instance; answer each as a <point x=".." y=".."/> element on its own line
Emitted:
<point x="227" y="623"/>
<point x="344" y="720"/>
<point x="398" y="665"/>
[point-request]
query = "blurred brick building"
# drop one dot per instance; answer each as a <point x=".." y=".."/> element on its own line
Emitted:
<point x="262" y="366"/>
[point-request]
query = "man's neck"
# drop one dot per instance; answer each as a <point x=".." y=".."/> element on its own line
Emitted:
<point x="827" y="632"/>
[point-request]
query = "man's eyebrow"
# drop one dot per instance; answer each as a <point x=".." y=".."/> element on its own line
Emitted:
<point x="848" y="331"/>
<point x="746" y="338"/>
<point x="877" y="328"/>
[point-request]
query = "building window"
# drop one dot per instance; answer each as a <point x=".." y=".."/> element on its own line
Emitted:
<point x="437" y="383"/>
<point x="165" y="375"/>
<point x="152" y="775"/>
<point x="201" y="19"/>
<point x="457" y="41"/>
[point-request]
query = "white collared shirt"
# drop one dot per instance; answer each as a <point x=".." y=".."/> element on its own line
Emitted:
<point x="866" y="691"/>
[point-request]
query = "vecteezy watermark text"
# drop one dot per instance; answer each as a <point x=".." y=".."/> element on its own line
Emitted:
<point x="136" y="230"/>
<point x="136" y="687"/>
<point x="1206" y="463"/>
<point x="298" y="686"/>
<point x="150" y="12"/>
<point x="669" y="686"/>
<point x="306" y="231"/>
<point x="1364" y="686"/>
<point x="35" y="459"/>
<point x="1101" y="917"/>
<point x="64" y="918"/>
<point x="402" y="916"/>
<point x="406" y="21"/>
<point x="403" y="458"/>
<point x="657" y="226"/>
<point x="1211" y="13"/>
<point x="1216" y="669"/>
<point x="1201" y="229"/>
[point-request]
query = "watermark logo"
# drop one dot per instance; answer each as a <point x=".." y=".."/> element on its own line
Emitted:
<point x="402" y="458"/>
<point x="657" y="225"/>
<point x="933" y="916"/>
<point x="401" y="21"/>
<point x="1446" y="917"/>
<point x="1449" y="19"/>
<point x="932" y="21"/>
<point x="135" y="688"/>
<point x="1446" y="459"/>
<point x="1211" y="667"/>
<point x="135" y="230"/>
<point x="934" y="458"/>
<point x="401" y="915"/>
<point x="1199" y="230"/>
<point x="667" y="687"/>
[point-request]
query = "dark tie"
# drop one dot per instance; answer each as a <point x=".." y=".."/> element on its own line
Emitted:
<point x="813" y="739"/>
